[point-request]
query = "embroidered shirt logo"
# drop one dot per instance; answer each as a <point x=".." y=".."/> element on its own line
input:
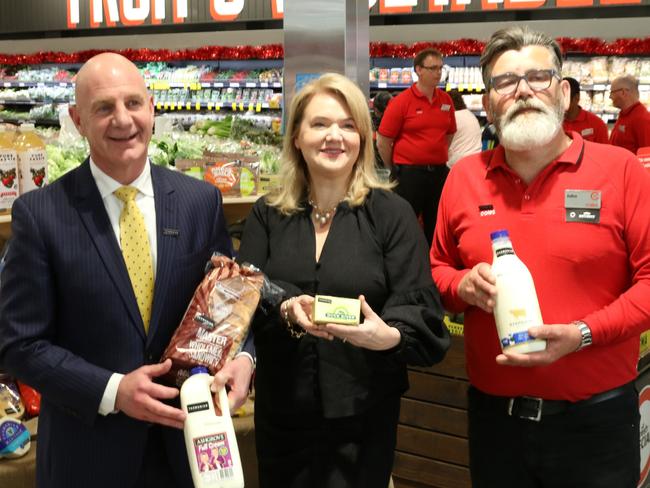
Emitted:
<point x="485" y="210"/>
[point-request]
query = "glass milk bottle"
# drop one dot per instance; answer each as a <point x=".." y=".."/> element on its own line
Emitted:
<point x="209" y="439"/>
<point x="517" y="308"/>
<point x="8" y="169"/>
<point x="32" y="159"/>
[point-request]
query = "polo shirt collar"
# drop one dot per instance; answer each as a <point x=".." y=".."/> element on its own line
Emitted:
<point x="419" y="94"/>
<point x="630" y="108"/>
<point x="572" y="155"/>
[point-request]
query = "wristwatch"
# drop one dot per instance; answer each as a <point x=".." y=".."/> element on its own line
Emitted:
<point x="586" y="334"/>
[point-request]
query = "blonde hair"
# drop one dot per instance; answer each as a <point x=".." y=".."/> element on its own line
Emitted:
<point x="293" y="169"/>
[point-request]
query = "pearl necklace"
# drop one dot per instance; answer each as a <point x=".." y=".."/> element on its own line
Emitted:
<point x="323" y="216"/>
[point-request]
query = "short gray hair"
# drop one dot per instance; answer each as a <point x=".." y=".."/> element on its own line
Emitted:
<point x="629" y="82"/>
<point x="516" y="38"/>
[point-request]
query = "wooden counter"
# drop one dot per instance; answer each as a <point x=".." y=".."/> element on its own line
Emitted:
<point x="432" y="448"/>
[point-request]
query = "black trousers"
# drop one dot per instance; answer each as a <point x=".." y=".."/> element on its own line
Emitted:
<point x="309" y="451"/>
<point x="421" y="186"/>
<point x="160" y="467"/>
<point x="590" y="446"/>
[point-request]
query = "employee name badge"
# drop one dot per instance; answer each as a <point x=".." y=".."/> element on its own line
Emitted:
<point x="587" y="132"/>
<point x="445" y="107"/>
<point x="621" y="128"/>
<point x="582" y="206"/>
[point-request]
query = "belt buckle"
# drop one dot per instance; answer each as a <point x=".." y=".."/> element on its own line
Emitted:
<point x="537" y="409"/>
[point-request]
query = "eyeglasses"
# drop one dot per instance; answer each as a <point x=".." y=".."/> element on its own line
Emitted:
<point x="432" y="68"/>
<point x="617" y="90"/>
<point x="537" y="79"/>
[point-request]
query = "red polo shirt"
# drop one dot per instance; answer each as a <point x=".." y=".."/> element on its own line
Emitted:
<point x="632" y="129"/>
<point x="419" y="127"/>
<point x="589" y="126"/>
<point x="596" y="272"/>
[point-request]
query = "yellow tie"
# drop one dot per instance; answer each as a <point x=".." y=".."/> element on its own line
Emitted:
<point x="136" y="251"/>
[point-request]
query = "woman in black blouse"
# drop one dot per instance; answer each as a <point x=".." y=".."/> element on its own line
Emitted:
<point x="327" y="397"/>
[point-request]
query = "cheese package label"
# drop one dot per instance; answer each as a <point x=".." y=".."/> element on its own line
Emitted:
<point x="336" y="310"/>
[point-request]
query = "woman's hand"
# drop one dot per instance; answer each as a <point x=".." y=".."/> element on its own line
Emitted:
<point x="373" y="333"/>
<point x="298" y="311"/>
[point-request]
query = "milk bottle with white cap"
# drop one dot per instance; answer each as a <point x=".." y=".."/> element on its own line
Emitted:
<point x="209" y="438"/>
<point x="517" y="308"/>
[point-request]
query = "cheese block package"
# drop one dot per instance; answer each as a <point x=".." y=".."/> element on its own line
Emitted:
<point x="217" y="320"/>
<point x="336" y="310"/>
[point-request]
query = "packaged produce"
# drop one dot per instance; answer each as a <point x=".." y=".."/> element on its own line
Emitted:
<point x="31" y="399"/>
<point x="336" y="310"/>
<point x="11" y="404"/>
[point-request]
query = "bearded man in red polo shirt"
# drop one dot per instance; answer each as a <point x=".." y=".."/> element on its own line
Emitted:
<point x="414" y="137"/>
<point x="632" y="129"/>
<point x="577" y="213"/>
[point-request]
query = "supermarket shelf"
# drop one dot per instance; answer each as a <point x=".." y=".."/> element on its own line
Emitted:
<point x="31" y="84"/>
<point x="42" y="122"/>
<point x="5" y="218"/>
<point x="32" y="102"/>
<point x="197" y="85"/>
<point x="234" y="106"/>
<point x="240" y="200"/>
<point x="462" y="87"/>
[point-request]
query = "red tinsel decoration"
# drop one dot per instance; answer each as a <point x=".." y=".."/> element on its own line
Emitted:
<point x="619" y="47"/>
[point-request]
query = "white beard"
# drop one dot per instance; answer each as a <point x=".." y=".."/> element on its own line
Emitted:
<point x="532" y="129"/>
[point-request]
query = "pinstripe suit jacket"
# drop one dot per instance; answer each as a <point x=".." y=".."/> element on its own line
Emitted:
<point x="69" y="318"/>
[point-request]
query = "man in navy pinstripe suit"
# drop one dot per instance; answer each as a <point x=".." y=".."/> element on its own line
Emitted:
<point x="69" y="322"/>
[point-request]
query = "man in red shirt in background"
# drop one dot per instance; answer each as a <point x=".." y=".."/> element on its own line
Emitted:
<point x="414" y="137"/>
<point x="632" y="129"/>
<point x="577" y="213"/>
<point x="589" y="126"/>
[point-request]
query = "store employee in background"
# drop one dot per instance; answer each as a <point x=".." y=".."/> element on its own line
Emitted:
<point x="577" y="213"/>
<point x="589" y="126"/>
<point x="632" y="129"/>
<point x="102" y="267"/>
<point x="414" y="137"/>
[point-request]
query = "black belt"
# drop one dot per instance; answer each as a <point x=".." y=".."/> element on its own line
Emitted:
<point x="531" y="408"/>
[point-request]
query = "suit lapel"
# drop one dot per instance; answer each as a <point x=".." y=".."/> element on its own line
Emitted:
<point x="166" y="229"/>
<point x="95" y="219"/>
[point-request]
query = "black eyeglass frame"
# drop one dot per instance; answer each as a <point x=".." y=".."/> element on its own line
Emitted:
<point x="525" y="76"/>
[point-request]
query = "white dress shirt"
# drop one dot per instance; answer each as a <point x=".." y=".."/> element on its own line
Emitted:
<point x="113" y="205"/>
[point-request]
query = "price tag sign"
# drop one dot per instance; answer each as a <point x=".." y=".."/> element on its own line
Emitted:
<point x="159" y="105"/>
<point x="258" y="107"/>
<point x="6" y="84"/>
<point x="250" y="106"/>
<point x="241" y="106"/>
<point x="264" y="84"/>
<point x="210" y="105"/>
<point x="218" y="84"/>
<point x="250" y="85"/>
<point x="188" y="106"/>
<point x="461" y="87"/>
<point x="218" y="107"/>
<point x="600" y="87"/>
<point x="166" y="105"/>
<point x="205" y="85"/>
<point x="172" y="106"/>
<point x="234" y="106"/>
<point x="448" y="87"/>
<point x="21" y="84"/>
<point x="197" y="106"/>
<point x="382" y="84"/>
<point x="277" y="84"/>
<point x="234" y="84"/>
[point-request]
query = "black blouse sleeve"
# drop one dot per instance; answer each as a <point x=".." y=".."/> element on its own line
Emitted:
<point x="413" y="305"/>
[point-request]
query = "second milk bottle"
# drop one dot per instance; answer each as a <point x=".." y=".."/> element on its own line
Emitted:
<point x="516" y="308"/>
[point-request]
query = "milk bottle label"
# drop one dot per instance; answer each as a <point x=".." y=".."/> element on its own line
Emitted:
<point x="8" y="177"/>
<point x="33" y="167"/>
<point x="213" y="457"/>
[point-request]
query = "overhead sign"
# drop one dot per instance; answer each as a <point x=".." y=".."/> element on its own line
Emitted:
<point x="112" y="13"/>
<point x="104" y="14"/>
